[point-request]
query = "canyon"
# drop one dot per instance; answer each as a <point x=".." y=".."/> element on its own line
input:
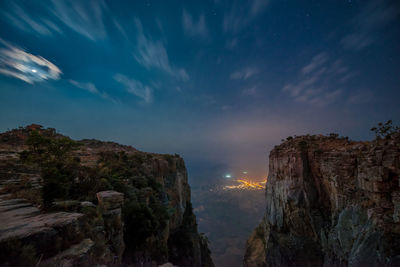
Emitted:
<point x="330" y="202"/>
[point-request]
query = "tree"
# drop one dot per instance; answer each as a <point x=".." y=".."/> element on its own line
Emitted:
<point x="384" y="130"/>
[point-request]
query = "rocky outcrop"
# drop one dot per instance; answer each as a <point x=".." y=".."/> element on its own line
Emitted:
<point x="96" y="228"/>
<point x="59" y="238"/>
<point x="330" y="202"/>
<point x="110" y="203"/>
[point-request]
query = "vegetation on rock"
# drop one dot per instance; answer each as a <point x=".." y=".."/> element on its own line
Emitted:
<point x="156" y="217"/>
<point x="385" y="130"/>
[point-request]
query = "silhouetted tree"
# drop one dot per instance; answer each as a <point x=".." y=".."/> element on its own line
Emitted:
<point x="383" y="130"/>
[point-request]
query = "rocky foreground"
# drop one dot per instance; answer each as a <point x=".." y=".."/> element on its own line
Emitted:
<point x="330" y="202"/>
<point x="150" y="224"/>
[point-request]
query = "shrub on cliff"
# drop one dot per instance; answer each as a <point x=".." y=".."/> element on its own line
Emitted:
<point x="144" y="214"/>
<point x="57" y="165"/>
<point x="384" y="130"/>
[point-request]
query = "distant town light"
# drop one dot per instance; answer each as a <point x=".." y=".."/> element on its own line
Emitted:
<point x="242" y="184"/>
<point x="228" y="176"/>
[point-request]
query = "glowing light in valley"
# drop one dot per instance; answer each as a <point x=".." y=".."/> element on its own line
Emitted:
<point x="228" y="176"/>
<point x="246" y="184"/>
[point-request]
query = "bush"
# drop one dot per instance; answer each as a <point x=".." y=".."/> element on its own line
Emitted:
<point x="384" y="130"/>
<point x="57" y="165"/>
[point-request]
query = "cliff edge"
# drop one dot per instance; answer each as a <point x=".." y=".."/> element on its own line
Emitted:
<point x="89" y="203"/>
<point x="330" y="202"/>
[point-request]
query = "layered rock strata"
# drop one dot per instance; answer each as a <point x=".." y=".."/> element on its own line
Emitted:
<point x="330" y="202"/>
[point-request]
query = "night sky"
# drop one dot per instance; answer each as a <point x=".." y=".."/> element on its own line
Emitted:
<point x="218" y="82"/>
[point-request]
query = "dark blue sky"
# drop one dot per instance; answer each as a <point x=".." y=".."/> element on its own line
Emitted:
<point x="219" y="82"/>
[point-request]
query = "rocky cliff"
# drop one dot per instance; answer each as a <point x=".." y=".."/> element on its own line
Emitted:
<point x="89" y="202"/>
<point x="330" y="202"/>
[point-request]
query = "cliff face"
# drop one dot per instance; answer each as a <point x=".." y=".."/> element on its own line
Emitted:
<point x="330" y="202"/>
<point x="123" y="206"/>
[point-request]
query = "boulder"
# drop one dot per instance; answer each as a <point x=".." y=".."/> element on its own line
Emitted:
<point x="109" y="200"/>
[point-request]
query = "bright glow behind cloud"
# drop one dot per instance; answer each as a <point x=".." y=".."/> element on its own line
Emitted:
<point x="19" y="64"/>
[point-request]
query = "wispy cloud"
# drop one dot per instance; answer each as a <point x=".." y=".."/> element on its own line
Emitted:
<point x="83" y="17"/>
<point x="315" y="63"/>
<point x="257" y="6"/>
<point x="193" y="28"/>
<point x="121" y="29"/>
<point x="250" y="91"/>
<point x="244" y="73"/>
<point x="135" y="87"/>
<point x="152" y="54"/>
<point x="231" y="44"/>
<point x="360" y="97"/>
<point x="372" y="18"/>
<point x="17" y="63"/>
<point x="319" y="82"/>
<point x="90" y="87"/>
<point x="17" y="15"/>
<point x="241" y="14"/>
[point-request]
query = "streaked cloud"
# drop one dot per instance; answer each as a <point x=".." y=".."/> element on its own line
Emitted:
<point x="90" y="87"/>
<point x="17" y="63"/>
<point x="244" y="73"/>
<point x="319" y="82"/>
<point x="315" y="63"/>
<point x="257" y="6"/>
<point x="83" y="17"/>
<point x="231" y="44"/>
<point x="193" y="27"/>
<point x="152" y="54"/>
<point x="250" y="91"/>
<point x="135" y="87"/>
<point x="17" y="15"/>
<point x="241" y="14"/>
<point x="369" y="22"/>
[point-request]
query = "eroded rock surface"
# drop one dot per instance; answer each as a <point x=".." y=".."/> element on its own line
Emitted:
<point x="331" y="202"/>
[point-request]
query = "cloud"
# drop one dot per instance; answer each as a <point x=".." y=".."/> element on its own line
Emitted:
<point x="90" y="87"/>
<point x="19" y="64"/>
<point x="319" y="82"/>
<point x="193" y="28"/>
<point x="373" y="17"/>
<point x="244" y="73"/>
<point x="121" y="29"/>
<point x="360" y="97"/>
<point x="135" y="87"/>
<point x="251" y="91"/>
<point x="18" y="16"/>
<point x="257" y="6"/>
<point x="83" y="17"/>
<point x="240" y="15"/>
<point x="231" y="44"/>
<point x="152" y="54"/>
<point x="316" y="62"/>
